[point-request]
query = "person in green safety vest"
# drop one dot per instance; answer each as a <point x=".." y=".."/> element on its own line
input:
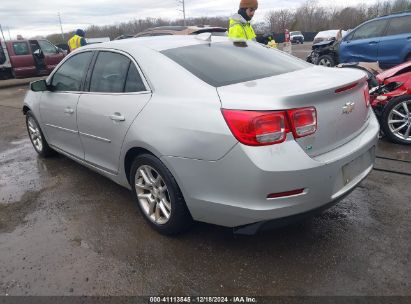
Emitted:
<point x="240" y="26"/>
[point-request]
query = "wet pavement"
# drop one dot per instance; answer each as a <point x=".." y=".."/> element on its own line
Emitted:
<point x="65" y="230"/>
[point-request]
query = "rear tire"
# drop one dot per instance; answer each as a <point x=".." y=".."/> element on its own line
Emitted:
<point x="36" y="137"/>
<point x="326" y="60"/>
<point x="158" y="196"/>
<point x="396" y="122"/>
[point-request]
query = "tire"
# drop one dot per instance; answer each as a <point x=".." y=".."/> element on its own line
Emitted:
<point x="326" y="60"/>
<point x="164" y="210"/>
<point x="399" y="131"/>
<point x="36" y="137"/>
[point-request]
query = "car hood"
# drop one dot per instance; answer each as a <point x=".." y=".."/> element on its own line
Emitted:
<point x="397" y="70"/>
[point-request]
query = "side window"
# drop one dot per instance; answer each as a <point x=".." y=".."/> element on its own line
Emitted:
<point x="47" y="47"/>
<point x="370" y="30"/>
<point x="400" y="25"/>
<point x="21" y="48"/>
<point x="134" y="82"/>
<point x="110" y="72"/>
<point x="70" y="74"/>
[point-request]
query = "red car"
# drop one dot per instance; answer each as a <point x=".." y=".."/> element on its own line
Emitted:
<point x="391" y="101"/>
<point x="30" y="58"/>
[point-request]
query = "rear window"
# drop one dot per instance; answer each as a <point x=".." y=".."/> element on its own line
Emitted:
<point x="21" y="48"/>
<point x="225" y="63"/>
<point x="401" y="25"/>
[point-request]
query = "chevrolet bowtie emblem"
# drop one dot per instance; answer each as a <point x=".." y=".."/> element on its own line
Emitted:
<point x="348" y="107"/>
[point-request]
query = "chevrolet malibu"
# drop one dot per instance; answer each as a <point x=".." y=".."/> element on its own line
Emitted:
<point x="206" y="129"/>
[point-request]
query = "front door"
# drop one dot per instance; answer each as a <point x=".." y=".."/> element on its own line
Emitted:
<point x="117" y="95"/>
<point x="52" y="56"/>
<point x="58" y="107"/>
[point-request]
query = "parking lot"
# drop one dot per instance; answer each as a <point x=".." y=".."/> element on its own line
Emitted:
<point x="65" y="230"/>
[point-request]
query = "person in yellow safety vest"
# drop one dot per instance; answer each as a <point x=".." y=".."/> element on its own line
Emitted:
<point x="77" y="40"/>
<point x="240" y="26"/>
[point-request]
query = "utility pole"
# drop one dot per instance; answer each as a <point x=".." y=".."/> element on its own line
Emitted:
<point x="8" y="29"/>
<point x="61" y="26"/>
<point x="1" y="29"/>
<point x="182" y="2"/>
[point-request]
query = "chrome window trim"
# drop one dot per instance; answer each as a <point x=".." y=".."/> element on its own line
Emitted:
<point x="131" y="58"/>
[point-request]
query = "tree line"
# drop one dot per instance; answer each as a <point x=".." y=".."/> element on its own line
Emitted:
<point x="309" y="17"/>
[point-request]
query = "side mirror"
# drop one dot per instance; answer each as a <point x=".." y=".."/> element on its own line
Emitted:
<point x="39" y="86"/>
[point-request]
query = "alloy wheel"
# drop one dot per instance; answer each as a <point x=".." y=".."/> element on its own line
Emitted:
<point x="35" y="134"/>
<point x="324" y="62"/>
<point x="399" y="120"/>
<point x="153" y="194"/>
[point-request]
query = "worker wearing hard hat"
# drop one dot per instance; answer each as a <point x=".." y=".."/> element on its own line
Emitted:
<point x="77" y="40"/>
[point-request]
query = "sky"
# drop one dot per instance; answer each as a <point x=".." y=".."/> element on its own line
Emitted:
<point x="40" y="17"/>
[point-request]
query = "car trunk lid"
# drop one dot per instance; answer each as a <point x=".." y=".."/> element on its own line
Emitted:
<point x="337" y="95"/>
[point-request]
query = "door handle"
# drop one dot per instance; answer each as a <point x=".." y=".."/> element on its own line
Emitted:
<point x="117" y="117"/>
<point x="68" y="110"/>
<point x="408" y="38"/>
<point x="373" y="42"/>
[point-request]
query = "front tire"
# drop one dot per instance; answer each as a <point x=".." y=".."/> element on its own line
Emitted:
<point x="326" y="60"/>
<point x="158" y="196"/>
<point x="36" y="136"/>
<point x="396" y="120"/>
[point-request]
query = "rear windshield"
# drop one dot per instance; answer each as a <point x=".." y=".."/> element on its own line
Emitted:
<point x="296" y="33"/>
<point x="224" y="63"/>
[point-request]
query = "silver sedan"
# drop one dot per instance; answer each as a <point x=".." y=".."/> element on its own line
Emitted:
<point x="207" y="129"/>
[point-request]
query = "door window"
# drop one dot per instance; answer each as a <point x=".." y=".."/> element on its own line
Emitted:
<point x="70" y="75"/>
<point x="110" y="72"/>
<point x="370" y="30"/>
<point x="134" y="82"/>
<point x="47" y="47"/>
<point x="21" y="48"/>
<point x="400" y="25"/>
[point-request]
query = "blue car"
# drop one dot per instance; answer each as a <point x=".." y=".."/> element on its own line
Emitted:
<point x="385" y="39"/>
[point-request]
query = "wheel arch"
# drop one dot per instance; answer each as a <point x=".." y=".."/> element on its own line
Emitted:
<point x="131" y="154"/>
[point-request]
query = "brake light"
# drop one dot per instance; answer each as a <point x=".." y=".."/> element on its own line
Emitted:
<point x="303" y="121"/>
<point x="257" y="128"/>
<point x="367" y="96"/>
<point x="262" y="128"/>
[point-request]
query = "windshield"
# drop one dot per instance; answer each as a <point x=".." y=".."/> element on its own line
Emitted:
<point x="225" y="63"/>
<point x="295" y="33"/>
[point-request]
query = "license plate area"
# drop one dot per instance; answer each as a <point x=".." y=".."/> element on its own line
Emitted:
<point x="354" y="168"/>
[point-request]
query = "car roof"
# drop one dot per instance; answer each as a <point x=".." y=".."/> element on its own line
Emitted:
<point x="156" y="43"/>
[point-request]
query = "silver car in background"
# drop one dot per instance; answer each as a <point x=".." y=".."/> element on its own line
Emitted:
<point x="228" y="133"/>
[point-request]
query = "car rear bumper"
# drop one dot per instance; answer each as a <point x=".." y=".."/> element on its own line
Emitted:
<point x="233" y="191"/>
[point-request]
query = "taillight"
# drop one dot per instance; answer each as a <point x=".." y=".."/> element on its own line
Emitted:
<point x="262" y="128"/>
<point x="367" y="96"/>
<point x="303" y="121"/>
<point x="257" y="128"/>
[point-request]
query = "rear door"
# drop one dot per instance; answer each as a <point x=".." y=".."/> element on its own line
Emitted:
<point x="118" y="92"/>
<point x="363" y="43"/>
<point x="395" y="42"/>
<point x="58" y="108"/>
<point x="21" y="59"/>
<point x="52" y="56"/>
